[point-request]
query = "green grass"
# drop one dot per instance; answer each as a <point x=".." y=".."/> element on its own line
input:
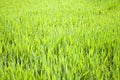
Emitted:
<point x="59" y="40"/>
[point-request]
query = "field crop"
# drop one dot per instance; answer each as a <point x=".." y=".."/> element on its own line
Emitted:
<point x="59" y="39"/>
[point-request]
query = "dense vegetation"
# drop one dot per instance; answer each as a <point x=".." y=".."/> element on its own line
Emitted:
<point x="59" y="39"/>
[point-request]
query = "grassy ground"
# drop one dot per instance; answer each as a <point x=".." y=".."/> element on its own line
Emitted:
<point x="59" y="39"/>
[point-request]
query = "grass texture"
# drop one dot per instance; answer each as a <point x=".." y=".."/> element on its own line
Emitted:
<point x="59" y="39"/>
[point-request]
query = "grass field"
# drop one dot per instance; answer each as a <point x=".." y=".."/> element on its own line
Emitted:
<point x="60" y="40"/>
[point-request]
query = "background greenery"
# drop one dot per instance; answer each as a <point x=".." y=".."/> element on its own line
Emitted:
<point x="59" y="39"/>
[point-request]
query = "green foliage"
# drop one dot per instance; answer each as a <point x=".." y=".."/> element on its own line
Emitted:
<point x="59" y="39"/>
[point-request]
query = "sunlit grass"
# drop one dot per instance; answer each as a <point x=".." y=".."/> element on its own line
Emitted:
<point x="59" y="39"/>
